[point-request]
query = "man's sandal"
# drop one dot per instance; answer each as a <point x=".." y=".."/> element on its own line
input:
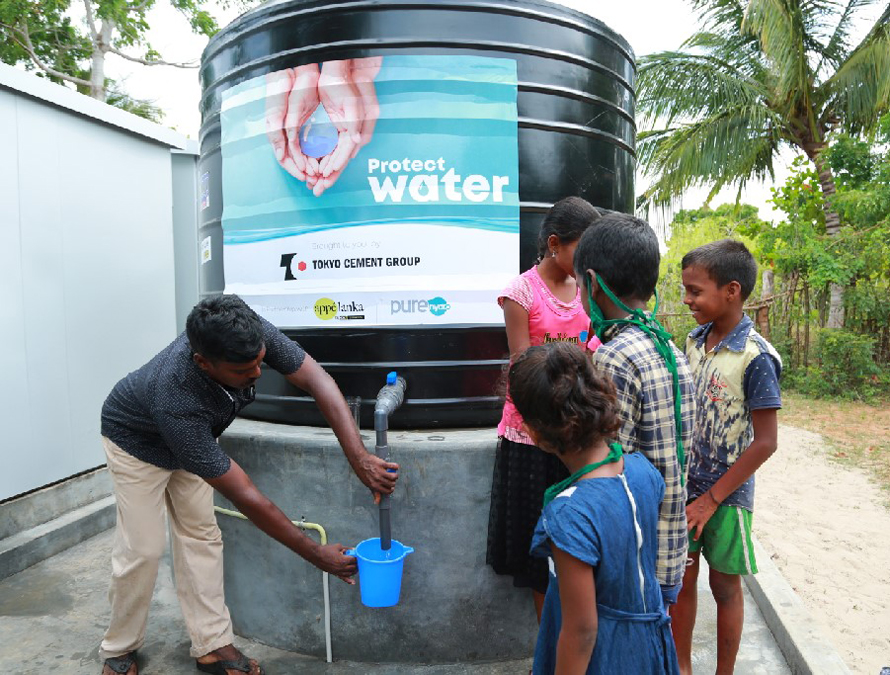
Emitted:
<point x="242" y="665"/>
<point x="122" y="664"/>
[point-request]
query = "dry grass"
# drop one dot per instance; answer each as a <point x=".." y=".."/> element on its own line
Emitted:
<point x="858" y="432"/>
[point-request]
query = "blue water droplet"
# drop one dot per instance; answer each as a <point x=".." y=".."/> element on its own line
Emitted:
<point x="318" y="136"/>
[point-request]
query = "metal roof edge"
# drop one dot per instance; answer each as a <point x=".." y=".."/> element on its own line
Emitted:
<point x="192" y="147"/>
<point x="26" y="83"/>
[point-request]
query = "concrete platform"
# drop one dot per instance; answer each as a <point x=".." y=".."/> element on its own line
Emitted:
<point x="41" y="524"/>
<point x="440" y="508"/>
<point x="53" y="614"/>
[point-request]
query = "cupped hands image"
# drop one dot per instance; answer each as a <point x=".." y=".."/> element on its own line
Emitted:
<point x="317" y="119"/>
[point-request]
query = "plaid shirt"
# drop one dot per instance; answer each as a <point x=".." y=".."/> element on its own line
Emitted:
<point x="646" y="409"/>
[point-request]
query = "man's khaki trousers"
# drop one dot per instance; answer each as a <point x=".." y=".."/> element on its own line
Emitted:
<point x="145" y="495"/>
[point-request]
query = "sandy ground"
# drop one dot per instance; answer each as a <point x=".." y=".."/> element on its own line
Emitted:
<point x="828" y="530"/>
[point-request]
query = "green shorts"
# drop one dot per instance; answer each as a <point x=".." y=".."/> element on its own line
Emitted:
<point x="726" y="541"/>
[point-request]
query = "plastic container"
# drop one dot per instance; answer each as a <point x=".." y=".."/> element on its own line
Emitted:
<point x="380" y="572"/>
<point x="576" y="136"/>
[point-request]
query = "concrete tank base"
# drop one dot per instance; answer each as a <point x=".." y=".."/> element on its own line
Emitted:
<point x="453" y="607"/>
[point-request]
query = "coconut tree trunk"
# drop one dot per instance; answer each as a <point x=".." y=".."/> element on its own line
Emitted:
<point x="766" y="300"/>
<point x="832" y="228"/>
<point x="826" y="183"/>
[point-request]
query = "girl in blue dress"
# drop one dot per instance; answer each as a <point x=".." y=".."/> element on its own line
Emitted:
<point x="603" y="611"/>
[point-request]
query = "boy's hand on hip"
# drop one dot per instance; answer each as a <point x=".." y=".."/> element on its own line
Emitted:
<point x="699" y="512"/>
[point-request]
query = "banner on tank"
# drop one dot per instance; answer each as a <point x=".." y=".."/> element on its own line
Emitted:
<point x="378" y="191"/>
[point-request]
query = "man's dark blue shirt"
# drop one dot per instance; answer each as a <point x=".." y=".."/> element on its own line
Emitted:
<point x="169" y="413"/>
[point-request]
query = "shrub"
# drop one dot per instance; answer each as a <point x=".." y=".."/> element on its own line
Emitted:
<point x="845" y="368"/>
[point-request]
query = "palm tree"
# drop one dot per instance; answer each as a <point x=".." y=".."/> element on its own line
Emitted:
<point x="761" y="75"/>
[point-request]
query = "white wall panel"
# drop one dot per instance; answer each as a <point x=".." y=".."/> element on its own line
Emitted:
<point x="87" y="274"/>
<point x="14" y="407"/>
<point x="42" y="235"/>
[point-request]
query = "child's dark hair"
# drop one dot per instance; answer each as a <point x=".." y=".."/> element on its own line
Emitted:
<point x="623" y="250"/>
<point x="567" y="219"/>
<point x="724" y="261"/>
<point x="560" y="396"/>
<point x="224" y="328"/>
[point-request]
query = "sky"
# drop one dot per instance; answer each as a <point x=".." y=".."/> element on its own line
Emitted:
<point x="648" y="25"/>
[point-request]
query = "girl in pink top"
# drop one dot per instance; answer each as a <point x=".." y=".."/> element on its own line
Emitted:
<point x="540" y="305"/>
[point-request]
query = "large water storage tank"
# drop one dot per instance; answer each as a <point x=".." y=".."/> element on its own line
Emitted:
<point x="464" y="122"/>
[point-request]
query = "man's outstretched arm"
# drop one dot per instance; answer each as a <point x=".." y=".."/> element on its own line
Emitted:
<point x="378" y="475"/>
<point x="236" y="486"/>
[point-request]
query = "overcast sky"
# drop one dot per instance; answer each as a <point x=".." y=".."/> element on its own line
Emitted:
<point x="648" y="25"/>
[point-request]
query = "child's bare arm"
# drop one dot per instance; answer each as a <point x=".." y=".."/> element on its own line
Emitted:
<point x="516" y="322"/>
<point x="577" y="594"/>
<point x="762" y="447"/>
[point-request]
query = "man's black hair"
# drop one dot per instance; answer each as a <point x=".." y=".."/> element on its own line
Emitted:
<point x="623" y="250"/>
<point x="224" y="328"/>
<point x="724" y="261"/>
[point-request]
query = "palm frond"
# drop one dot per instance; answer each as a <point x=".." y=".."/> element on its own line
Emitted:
<point x="727" y="147"/>
<point x="859" y="91"/>
<point x="723" y="17"/>
<point x="674" y="85"/>
<point x="837" y="47"/>
<point x="749" y="82"/>
<point x="780" y="27"/>
<point x="740" y="52"/>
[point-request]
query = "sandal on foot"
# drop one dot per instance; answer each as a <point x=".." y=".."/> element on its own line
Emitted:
<point x="122" y="664"/>
<point x="242" y="664"/>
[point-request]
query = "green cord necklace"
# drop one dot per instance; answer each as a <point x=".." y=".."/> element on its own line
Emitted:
<point x="615" y="453"/>
<point x="653" y="328"/>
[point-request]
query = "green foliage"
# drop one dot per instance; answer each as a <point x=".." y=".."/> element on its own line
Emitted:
<point x="800" y="197"/>
<point x="38" y="28"/>
<point x="850" y="363"/>
<point x="759" y="75"/>
<point x="42" y="35"/>
<point x="800" y="243"/>
<point x="863" y="170"/>
<point x="845" y="368"/>
<point x="139" y="107"/>
<point x="851" y="160"/>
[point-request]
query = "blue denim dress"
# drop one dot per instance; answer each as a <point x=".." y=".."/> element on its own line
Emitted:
<point x="611" y="524"/>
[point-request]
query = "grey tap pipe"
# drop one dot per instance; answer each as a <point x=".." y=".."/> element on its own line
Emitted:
<point x="389" y="398"/>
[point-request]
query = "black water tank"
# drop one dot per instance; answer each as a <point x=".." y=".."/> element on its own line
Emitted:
<point x="576" y="136"/>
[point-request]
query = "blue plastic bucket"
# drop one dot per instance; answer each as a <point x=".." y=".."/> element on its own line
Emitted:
<point x="380" y="572"/>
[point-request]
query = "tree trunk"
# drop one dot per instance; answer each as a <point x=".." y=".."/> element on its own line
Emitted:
<point x="797" y="343"/>
<point x="789" y="304"/>
<point x="826" y="183"/>
<point x="832" y="228"/>
<point x="835" y="306"/>
<point x="766" y="292"/>
<point x="806" y="326"/>
<point x="101" y="45"/>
